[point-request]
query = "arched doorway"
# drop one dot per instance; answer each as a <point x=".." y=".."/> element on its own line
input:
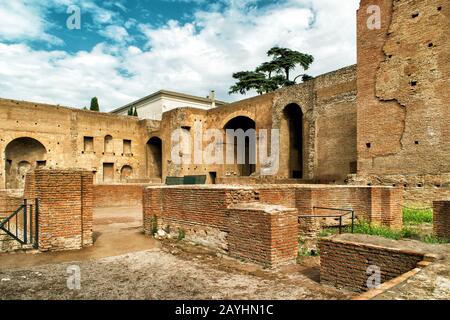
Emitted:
<point x="248" y="153"/>
<point x="126" y="173"/>
<point x="21" y="156"/>
<point x="154" y="158"/>
<point x="293" y="135"/>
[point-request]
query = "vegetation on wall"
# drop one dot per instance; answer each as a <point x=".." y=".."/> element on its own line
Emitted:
<point x="274" y="74"/>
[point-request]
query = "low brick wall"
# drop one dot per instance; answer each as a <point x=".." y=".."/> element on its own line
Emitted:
<point x="193" y="205"/>
<point x="65" y="207"/>
<point x="203" y="212"/>
<point x="118" y="195"/>
<point x="377" y="205"/>
<point x="345" y="259"/>
<point x="441" y="219"/>
<point x="265" y="234"/>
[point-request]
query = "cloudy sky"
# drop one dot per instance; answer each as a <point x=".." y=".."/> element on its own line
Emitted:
<point x="126" y="49"/>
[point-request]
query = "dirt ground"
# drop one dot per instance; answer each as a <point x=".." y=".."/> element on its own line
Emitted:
<point x="125" y="264"/>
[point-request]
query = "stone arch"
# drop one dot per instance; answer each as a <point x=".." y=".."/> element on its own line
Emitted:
<point x="248" y="166"/>
<point x="292" y="146"/>
<point x="108" y="144"/>
<point x="235" y="114"/>
<point x="305" y="103"/>
<point x="22" y="155"/>
<point x="154" y="158"/>
<point x="126" y="173"/>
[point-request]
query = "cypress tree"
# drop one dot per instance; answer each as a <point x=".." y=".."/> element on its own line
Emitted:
<point x="94" y="104"/>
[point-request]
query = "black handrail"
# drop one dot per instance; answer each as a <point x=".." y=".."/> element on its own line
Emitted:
<point x="25" y="236"/>
<point x="348" y="211"/>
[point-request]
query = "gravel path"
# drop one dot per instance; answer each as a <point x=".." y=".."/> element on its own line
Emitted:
<point x="158" y="274"/>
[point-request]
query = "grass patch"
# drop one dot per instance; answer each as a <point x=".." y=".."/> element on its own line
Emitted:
<point x="181" y="234"/>
<point x="362" y="227"/>
<point x="417" y="216"/>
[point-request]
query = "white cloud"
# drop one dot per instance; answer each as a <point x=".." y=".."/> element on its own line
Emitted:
<point x="20" y="21"/>
<point x="192" y="58"/>
<point x="116" y="33"/>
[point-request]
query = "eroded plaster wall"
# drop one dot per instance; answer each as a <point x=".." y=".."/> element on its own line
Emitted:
<point x="403" y="96"/>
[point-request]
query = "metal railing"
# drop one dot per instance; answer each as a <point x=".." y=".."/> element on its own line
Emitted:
<point x="22" y="225"/>
<point x="340" y="216"/>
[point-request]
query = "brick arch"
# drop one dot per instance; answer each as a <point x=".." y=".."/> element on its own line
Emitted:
<point x="240" y="113"/>
<point x="309" y="130"/>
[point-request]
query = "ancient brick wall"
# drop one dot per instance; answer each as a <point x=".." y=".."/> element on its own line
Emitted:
<point x="194" y="205"/>
<point x="62" y="133"/>
<point x="403" y="115"/>
<point x="344" y="262"/>
<point x="378" y="205"/>
<point x="441" y="219"/>
<point x="207" y="205"/>
<point x="266" y="234"/>
<point x="213" y="215"/>
<point x="118" y="195"/>
<point x="65" y="208"/>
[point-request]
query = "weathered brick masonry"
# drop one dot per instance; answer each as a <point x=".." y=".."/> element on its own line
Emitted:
<point x="266" y="234"/>
<point x="441" y="219"/>
<point x="65" y="207"/>
<point x="403" y="118"/>
<point x="344" y="260"/>
<point x="205" y="211"/>
<point x="118" y="195"/>
<point x="377" y="205"/>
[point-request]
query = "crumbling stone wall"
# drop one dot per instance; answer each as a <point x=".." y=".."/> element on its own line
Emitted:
<point x="403" y="80"/>
<point x="346" y="259"/>
<point x="441" y="219"/>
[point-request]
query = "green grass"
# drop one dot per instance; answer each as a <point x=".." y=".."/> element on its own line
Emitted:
<point x="366" y="228"/>
<point x="417" y="216"/>
<point x="362" y="227"/>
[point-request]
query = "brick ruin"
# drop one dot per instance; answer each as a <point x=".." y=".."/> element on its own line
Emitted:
<point x="384" y="121"/>
<point x="347" y="261"/>
<point x="441" y="219"/>
<point x="267" y="218"/>
<point x="368" y="137"/>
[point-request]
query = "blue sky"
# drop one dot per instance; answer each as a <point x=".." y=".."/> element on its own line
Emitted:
<point x="126" y="49"/>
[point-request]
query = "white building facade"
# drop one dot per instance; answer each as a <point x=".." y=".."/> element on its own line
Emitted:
<point x="153" y="106"/>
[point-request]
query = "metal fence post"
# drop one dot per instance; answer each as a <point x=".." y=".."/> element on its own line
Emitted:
<point x="25" y="221"/>
<point x="36" y="221"/>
